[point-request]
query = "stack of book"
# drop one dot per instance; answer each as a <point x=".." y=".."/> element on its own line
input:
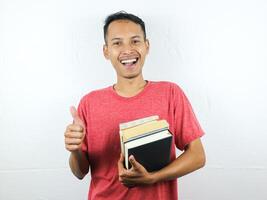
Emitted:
<point x="148" y="140"/>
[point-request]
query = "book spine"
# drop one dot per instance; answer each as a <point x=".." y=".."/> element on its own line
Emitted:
<point x="121" y="142"/>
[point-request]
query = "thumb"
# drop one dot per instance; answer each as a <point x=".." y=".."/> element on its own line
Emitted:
<point x="134" y="163"/>
<point x="75" y="116"/>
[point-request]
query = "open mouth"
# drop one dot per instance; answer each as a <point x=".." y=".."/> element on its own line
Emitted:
<point x="129" y="62"/>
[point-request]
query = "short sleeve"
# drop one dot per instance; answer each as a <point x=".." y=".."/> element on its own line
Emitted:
<point x="186" y="125"/>
<point x="82" y="112"/>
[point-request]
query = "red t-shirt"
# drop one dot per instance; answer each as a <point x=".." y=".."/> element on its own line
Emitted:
<point x="103" y="110"/>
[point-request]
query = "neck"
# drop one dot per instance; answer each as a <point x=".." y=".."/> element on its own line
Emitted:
<point x="129" y="87"/>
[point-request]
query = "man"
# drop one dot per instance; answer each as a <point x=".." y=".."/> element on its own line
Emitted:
<point x="93" y="138"/>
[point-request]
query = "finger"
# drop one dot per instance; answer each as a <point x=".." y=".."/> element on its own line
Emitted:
<point x="73" y="141"/>
<point x="131" y="181"/>
<point x="74" y="127"/>
<point x="121" y="160"/>
<point x="134" y="172"/>
<point x="135" y="165"/>
<point x="129" y="185"/>
<point x="120" y="163"/>
<point x="72" y="147"/>
<point x="75" y="116"/>
<point x="72" y="134"/>
<point x="121" y="169"/>
<point x="129" y="174"/>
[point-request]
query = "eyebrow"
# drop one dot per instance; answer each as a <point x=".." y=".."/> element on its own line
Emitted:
<point x="115" y="39"/>
<point x="133" y="37"/>
<point x="136" y="36"/>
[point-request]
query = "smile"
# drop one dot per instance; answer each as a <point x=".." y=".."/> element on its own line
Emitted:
<point x="129" y="62"/>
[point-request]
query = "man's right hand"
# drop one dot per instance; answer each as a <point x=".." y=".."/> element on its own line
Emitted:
<point x="75" y="132"/>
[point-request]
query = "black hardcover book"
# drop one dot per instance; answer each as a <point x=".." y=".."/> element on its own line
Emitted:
<point x="153" y="151"/>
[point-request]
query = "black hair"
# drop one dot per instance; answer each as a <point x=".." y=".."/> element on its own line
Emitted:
<point x="122" y="15"/>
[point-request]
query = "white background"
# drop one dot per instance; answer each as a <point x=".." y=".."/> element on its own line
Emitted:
<point x="51" y="55"/>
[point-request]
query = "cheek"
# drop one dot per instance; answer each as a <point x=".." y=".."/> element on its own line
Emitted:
<point x="114" y="59"/>
<point x="114" y="54"/>
<point x="143" y="51"/>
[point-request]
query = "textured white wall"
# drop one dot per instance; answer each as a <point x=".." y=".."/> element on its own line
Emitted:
<point x="51" y="55"/>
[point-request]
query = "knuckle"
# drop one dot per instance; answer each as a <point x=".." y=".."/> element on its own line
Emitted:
<point x="67" y="141"/>
<point x="66" y="134"/>
<point x="68" y="147"/>
<point x="73" y="147"/>
<point x="81" y="135"/>
<point x="77" y="127"/>
<point x="69" y="127"/>
<point x="78" y="141"/>
<point x="80" y="128"/>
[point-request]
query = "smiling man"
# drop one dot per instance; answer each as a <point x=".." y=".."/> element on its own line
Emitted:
<point x="93" y="137"/>
<point x="126" y="47"/>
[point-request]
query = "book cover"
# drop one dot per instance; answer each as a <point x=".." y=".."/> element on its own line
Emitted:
<point x="152" y="151"/>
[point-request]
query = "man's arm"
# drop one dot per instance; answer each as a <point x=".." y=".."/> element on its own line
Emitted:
<point x="74" y="136"/>
<point x="79" y="163"/>
<point x="190" y="160"/>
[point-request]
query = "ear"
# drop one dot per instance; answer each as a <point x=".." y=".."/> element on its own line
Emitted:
<point x="147" y="45"/>
<point x="105" y="51"/>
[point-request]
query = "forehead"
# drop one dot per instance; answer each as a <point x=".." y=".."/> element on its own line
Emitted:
<point x="123" y="28"/>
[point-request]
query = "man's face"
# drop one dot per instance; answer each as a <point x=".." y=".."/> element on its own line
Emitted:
<point x="126" y="48"/>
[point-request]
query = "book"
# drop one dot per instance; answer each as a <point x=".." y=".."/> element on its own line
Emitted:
<point x="143" y="128"/>
<point x="138" y="122"/>
<point x="149" y="142"/>
<point x="127" y="125"/>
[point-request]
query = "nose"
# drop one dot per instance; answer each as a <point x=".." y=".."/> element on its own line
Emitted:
<point x="127" y="48"/>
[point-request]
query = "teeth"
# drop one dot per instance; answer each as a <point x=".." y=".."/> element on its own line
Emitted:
<point x="128" y="61"/>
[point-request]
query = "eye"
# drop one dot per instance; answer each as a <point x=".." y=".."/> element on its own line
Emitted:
<point x="136" y="41"/>
<point x="117" y="43"/>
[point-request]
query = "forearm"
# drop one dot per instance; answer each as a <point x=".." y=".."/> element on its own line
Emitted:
<point x="192" y="159"/>
<point x="79" y="164"/>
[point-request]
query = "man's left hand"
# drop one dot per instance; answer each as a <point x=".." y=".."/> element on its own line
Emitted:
<point x="136" y="175"/>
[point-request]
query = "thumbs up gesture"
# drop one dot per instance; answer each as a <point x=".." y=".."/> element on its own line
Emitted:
<point x="75" y="132"/>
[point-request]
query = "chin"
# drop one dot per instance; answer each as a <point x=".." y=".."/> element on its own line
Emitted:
<point x="131" y="76"/>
